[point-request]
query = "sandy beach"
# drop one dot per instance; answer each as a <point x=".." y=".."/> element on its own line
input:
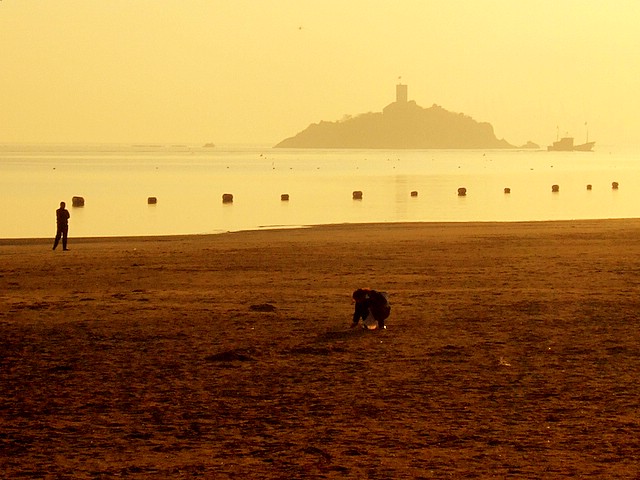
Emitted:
<point x="512" y="351"/>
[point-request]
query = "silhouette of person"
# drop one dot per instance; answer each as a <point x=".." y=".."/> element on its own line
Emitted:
<point x="370" y="302"/>
<point x="62" y="222"/>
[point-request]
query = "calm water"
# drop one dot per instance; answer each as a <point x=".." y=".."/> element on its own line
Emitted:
<point x="115" y="181"/>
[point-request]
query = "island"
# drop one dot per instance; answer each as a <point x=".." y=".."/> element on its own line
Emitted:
<point x="401" y="125"/>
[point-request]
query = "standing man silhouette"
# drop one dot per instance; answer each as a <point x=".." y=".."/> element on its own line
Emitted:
<point x="62" y="221"/>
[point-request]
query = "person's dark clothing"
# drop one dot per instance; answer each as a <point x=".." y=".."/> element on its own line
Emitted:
<point x="371" y="301"/>
<point x="62" y="222"/>
<point x="361" y="312"/>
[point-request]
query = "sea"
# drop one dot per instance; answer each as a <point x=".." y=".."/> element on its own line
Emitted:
<point x="189" y="182"/>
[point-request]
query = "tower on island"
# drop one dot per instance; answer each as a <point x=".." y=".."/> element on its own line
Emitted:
<point x="401" y="93"/>
<point x="402" y="124"/>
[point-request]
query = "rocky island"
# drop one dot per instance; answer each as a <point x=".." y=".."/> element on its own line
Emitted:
<point x="401" y="124"/>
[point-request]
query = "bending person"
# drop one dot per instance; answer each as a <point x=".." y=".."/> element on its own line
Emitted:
<point x="370" y="302"/>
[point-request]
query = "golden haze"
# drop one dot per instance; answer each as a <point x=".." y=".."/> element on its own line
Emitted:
<point x="257" y="72"/>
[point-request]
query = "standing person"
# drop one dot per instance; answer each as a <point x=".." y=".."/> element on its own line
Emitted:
<point x="370" y="302"/>
<point x="62" y="222"/>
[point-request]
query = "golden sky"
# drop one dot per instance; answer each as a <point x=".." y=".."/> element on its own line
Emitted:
<point x="253" y="71"/>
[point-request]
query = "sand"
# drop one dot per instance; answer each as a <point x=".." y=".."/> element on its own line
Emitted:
<point x="512" y="351"/>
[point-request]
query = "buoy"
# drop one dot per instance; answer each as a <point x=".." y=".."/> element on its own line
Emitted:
<point x="589" y="187"/>
<point x="614" y="185"/>
<point x="152" y="200"/>
<point x="462" y="192"/>
<point x="357" y="195"/>
<point x="507" y="190"/>
<point x="284" y="197"/>
<point x="77" y="201"/>
<point x="555" y="188"/>
<point x="414" y="194"/>
<point x="227" y="198"/>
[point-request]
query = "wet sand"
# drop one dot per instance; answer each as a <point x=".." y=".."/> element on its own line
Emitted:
<point x="512" y="351"/>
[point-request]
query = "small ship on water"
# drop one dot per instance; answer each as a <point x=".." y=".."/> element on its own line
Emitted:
<point x="565" y="144"/>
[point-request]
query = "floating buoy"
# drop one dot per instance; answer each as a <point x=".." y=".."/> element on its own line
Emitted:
<point x="284" y="197"/>
<point x="357" y="195"/>
<point x="507" y="190"/>
<point x="462" y="192"/>
<point x="555" y="188"/>
<point x="414" y="194"/>
<point x="77" y="201"/>
<point x="614" y="185"/>
<point x="589" y="187"/>
<point x="227" y="198"/>
<point x="152" y="201"/>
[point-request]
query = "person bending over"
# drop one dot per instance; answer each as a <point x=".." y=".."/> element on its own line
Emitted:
<point x="370" y="302"/>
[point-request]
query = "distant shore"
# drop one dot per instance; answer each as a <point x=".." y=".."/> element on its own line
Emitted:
<point x="511" y="350"/>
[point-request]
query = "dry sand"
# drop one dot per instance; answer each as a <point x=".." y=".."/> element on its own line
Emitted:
<point x="512" y="351"/>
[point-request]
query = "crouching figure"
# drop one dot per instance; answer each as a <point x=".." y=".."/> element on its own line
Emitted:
<point x="372" y="307"/>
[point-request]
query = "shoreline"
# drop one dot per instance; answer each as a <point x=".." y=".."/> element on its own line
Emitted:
<point x="610" y="222"/>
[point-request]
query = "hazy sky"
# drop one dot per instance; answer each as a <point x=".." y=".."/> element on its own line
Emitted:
<point x="253" y="71"/>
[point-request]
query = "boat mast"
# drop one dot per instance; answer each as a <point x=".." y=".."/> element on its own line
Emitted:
<point x="587" y="127"/>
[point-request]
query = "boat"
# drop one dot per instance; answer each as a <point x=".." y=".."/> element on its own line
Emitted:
<point x="565" y="144"/>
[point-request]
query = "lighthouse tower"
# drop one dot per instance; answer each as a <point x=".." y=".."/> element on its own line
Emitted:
<point x="401" y="93"/>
